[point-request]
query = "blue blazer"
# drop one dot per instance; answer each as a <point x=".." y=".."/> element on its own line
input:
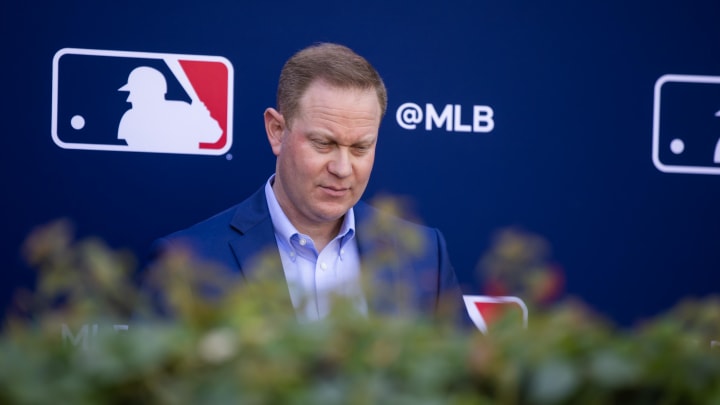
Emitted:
<point x="408" y="263"/>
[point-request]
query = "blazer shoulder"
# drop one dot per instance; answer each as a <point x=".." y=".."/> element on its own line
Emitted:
<point x="368" y="215"/>
<point x="220" y="228"/>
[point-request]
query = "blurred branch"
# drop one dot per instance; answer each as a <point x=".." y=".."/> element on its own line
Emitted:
<point x="218" y="340"/>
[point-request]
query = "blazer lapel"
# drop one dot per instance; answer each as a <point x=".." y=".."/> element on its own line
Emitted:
<point x="255" y="247"/>
<point x="382" y="265"/>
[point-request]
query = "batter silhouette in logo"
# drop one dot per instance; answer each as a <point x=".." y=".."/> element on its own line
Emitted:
<point x="154" y="124"/>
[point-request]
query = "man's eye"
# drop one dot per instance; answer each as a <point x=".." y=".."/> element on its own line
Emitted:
<point x="322" y="144"/>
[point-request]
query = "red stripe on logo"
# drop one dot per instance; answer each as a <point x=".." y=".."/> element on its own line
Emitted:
<point x="210" y="81"/>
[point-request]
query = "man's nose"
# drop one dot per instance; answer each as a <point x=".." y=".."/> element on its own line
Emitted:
<point x="340" y="165"/>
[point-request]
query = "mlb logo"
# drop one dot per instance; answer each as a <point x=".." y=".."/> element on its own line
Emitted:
<point x="686" y="124"/>
<point x="485" y="309"/>
<point x="142" y="102"/>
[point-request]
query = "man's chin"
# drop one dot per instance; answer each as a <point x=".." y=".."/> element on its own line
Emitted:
<point x="333" y="212"/>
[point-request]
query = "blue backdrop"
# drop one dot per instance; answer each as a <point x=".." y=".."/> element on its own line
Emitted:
<point x="572" y="88"/>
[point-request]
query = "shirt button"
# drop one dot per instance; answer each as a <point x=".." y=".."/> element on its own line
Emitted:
<point x="323" y="266"/>
<point x="303" y="242"/>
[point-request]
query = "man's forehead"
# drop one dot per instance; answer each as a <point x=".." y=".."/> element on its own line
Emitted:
<point x="352" y="136"/>
<point x="321" y="89"/>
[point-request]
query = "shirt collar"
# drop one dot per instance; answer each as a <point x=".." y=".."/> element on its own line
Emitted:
<point x="285" y="230"/>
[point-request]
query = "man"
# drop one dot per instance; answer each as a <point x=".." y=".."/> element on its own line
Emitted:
<point x="330" y="102"/>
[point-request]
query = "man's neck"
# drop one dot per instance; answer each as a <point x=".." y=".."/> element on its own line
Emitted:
<point x="321" y="233"/>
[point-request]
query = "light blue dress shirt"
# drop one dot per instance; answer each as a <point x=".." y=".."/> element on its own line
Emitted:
<point x="314" y="277"/>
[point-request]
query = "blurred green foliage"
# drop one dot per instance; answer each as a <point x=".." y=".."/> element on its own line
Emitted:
<point x="240" y="344"/>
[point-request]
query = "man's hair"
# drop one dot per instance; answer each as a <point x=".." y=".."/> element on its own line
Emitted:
<point x="335" y="64"/>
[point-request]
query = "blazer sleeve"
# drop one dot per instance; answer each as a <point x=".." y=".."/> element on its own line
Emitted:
<point x="449" y="302"/>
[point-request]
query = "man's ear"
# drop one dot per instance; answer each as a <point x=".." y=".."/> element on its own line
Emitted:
<point x="274" y="127"/>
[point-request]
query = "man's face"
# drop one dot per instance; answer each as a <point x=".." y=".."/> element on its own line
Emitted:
<point x="324" y="161"/>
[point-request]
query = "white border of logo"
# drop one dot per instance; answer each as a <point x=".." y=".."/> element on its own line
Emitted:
<point x="145" y="55"/>
<point x="672" y="78"/>
<point x="477" y="317"/>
